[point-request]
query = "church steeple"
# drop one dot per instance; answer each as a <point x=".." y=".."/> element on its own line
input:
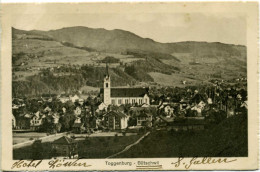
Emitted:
<point x="107" y="90"/>
<point x="107" y="74"/>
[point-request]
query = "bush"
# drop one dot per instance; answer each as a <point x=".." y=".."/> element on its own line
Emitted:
<point x="110" y="59"/>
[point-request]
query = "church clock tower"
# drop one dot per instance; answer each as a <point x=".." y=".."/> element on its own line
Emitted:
<point x="107" y="89"/>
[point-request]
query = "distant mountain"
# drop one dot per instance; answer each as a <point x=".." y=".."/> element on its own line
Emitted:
<point x="136" y="60"/>
<point x="120" y="41"/>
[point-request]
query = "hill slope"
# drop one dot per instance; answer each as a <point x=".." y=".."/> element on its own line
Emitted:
<point x="139" y="60"/>
<point x="228" y="139"/>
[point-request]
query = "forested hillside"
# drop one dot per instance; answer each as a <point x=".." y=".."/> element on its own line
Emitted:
<point x="70" y="58"/>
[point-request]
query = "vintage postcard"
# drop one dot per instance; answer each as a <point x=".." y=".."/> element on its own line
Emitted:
<point x="129" y="86"/>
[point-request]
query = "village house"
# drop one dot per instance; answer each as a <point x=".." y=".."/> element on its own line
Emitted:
<point x="144" y="119"/>
<point x="55" y="118"/>
<point x="74" y="98"/>
<point x="199" y="107"/>
<point x="64" y="110"/>
<point x="48" y="97"/>
<point x="244" y="104"/>
<point x="81" y="101"/>
<point x="102" y="106"/>
<point x="47" y="109"/>
<point x="78" y="127"/>
<point x="118" y="96"/>
<point x="183" y="104"/>
<point x="230" y="107"/>
<point x="168" y="109"/>
<point x="63" y="98"/>
<point x="65" y="147"/>
<point x="87" y="108"/>
<point x="115" y="120"/>
<point x="36" y="121"/>
<point x="143" y="115"/>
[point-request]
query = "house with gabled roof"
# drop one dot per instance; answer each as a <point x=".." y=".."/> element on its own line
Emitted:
<point x="144" y="119"/>
<point x="74" y="98"/>
<point x="63" y="98"/>
<point x="115" y="120"/>
<point x="36" y="121"/>
<point x="65" y="147"/>
<point x="78" y="127"/>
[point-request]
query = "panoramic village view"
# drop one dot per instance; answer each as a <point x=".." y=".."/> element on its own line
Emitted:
<point x="81" y="92"/>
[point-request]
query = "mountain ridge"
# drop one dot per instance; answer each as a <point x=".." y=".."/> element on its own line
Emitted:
<point x="80" y="52"/>
<point x="35" y="30"/>
<point x="118" y="40"/>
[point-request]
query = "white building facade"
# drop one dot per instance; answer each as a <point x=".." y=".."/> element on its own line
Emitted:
<point x="118" y="96"/>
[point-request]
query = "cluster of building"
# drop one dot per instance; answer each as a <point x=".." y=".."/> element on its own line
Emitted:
<point x="121" y="108"/>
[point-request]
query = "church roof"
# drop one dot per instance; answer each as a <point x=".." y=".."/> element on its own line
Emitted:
<point x="128" y="92"/>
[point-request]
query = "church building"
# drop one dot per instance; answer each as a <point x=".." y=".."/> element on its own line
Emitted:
<point x="118" y="96"/>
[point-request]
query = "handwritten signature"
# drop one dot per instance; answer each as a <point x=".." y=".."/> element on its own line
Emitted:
<point x="52" y="163"/>
<point x="198" y="161"/>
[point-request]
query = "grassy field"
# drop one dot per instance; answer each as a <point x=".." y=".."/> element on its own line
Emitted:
<point x="94" y="147"/>
<point x="102" y="147"/>
<point x="173" y="79"/>
<point x="228" y="139"/>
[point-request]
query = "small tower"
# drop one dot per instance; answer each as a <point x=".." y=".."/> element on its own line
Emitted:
<point x="107" y="89"/>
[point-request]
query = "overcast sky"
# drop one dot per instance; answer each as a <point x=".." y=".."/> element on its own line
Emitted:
<point x="161" y="27"/>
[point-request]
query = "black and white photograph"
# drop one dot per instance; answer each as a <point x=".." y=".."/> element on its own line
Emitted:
<point x="129" y="85"/>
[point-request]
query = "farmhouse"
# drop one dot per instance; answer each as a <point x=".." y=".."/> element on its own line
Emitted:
<point x="118" y="96"/>
<point x="78" y="127"/>
<point x="144" y="119"/>
<point x="115" y="120"/>
<point x="36" y="121"/>
<point x="65" y="147"/>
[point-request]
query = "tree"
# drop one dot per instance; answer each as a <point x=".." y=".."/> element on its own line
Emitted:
<point x="132" y="121"/>
<point x="67" y="121"/>
<point x="47" y="125"/>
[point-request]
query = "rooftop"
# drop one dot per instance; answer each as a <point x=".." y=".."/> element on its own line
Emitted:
<point x="64" y="141"/>
<point x="116" y="113"/>
<point x="128" y="92"/>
